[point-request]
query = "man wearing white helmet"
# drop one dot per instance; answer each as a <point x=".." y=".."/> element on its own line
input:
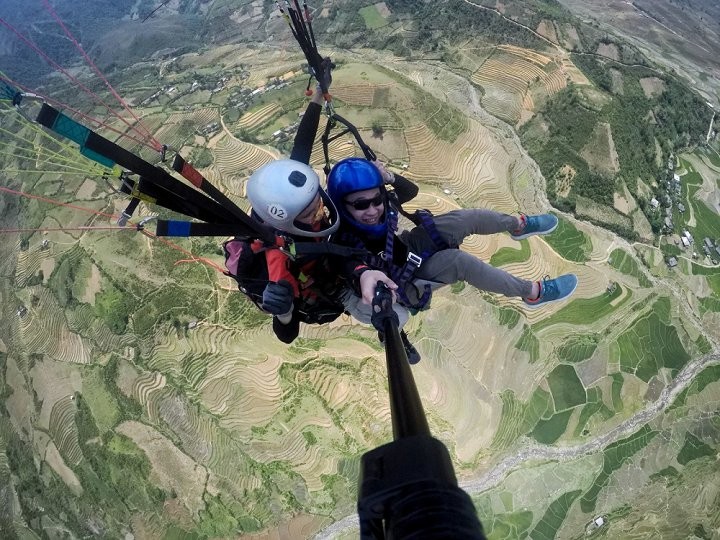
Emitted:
<point x="286" y="195"/>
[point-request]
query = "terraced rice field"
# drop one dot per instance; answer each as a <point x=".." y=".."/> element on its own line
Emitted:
<point x="258" y="118"/>
<point x="508" y="74"/>
<point x="233" y="156"/>
<point x="179" y="127"/>
<point x="472" y="167"/>
<point x="356" y="94"/>
<point x="63" y="430"/>
<point x="259" y="77"/>
<point x="44" y="331"/>
<point x="29" y="263"/>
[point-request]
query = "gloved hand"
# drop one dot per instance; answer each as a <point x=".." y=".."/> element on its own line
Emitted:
<point x="324" y="78"/>
<point x="278" y="297"/>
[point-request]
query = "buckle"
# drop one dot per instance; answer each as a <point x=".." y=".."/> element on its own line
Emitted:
<point x="414" y="259"/>
<point x="286" y="244"/>
<point x="141" y="225"/>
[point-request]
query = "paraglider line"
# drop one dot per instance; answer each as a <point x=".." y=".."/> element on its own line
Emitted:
<point x="55" y="229"/>
<point x="75" y="111"/>
<point x="64" y="72"/>
<point x="193" y="258"/>
<point x="125" y="106"/>
<point x="56" y="203"/>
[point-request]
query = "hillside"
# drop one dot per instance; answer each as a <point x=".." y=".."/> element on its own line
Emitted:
<point x="143" y="396"/>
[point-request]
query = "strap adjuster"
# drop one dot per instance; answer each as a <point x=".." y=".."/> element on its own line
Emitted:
<point x="414" y="259"/>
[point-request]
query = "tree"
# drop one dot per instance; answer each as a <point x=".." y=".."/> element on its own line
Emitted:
<point x="377" y="129"/>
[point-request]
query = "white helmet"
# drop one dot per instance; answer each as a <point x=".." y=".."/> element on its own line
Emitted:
<point x="279" y="192"/>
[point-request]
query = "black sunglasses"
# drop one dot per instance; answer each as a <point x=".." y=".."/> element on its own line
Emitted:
<point x="364" y="204"/>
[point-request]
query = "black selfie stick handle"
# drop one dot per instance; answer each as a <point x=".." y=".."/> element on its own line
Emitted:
<point x="408" y="488"/>
<point x="406" y="410"/>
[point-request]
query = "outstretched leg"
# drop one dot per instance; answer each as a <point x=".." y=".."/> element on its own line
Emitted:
<point x="452" y="265"/>
<point x="455" y="226"/>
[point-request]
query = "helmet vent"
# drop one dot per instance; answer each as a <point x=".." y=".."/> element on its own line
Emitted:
<point x="297" y="179"/>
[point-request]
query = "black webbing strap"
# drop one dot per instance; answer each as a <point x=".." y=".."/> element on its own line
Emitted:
<point x="349" y="128"/>
<point x="219" y="208"/>
<point x="184" y="229"/>
<point x="198" y="180"/>
<point x="329" y="248"/>
<point x="151" y="193"/>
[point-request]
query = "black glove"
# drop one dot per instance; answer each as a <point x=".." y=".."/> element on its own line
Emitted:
<point x="278" y="297"/>
<point x="324" y="78"/>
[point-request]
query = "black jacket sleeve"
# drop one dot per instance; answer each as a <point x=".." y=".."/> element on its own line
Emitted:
<point x="404" y="189"/>
<point x="305" y="136"/>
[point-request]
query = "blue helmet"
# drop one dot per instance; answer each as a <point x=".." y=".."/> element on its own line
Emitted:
<point x="356" y="174"/>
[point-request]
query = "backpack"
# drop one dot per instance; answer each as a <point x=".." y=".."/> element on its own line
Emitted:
<point x="245" y="262"/>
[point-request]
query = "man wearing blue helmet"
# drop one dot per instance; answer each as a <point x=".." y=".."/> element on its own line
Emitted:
<point x="425" y="257"/>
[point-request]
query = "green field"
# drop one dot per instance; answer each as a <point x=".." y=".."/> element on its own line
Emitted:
<point x="548" y="526"/>
<point x="529" y="343"/>
<point x="614" y="456"/>
<point x="505" y="526"/>
<point x="508" y="255"/>
<point x="700" y="270"/>
<point x="617" y="384"/>
<point x="707" y="221"/>
<point x="648" y="345"/>
<point x="566" y="388"/>
<point x="577" y="348"/>
<point x="371" y="16"/>
<point x="508" y="317"/>
<point x="707" y="376"/>
<point x="621" y="260"/>
<point x="594" y="406"/>
<point x="710" y="303"/>
<point x="101" y="402"/>
<point x="714" y="282"/>
<point x="550" y="430"/>
<point x="569" y="242"/>
<point x="585" y="310"/>
<point x="694" y="448"/>
<point x="519" y="418"/>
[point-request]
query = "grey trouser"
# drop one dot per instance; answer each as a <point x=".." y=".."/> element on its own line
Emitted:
<point x="451" y="265"/>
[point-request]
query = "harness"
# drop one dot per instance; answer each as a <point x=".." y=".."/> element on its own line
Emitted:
<point x="404" y="275"/>
<point x="245" y="259"/>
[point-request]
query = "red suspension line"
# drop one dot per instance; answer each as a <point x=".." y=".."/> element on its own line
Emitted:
<point x="53" y="229"/>
<point x="56" y="203"/>
<point x="176" y="247"/>
<point x="147" y="134"/>
<point x="203" y="260"/>
<point x="68" y="75"/>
